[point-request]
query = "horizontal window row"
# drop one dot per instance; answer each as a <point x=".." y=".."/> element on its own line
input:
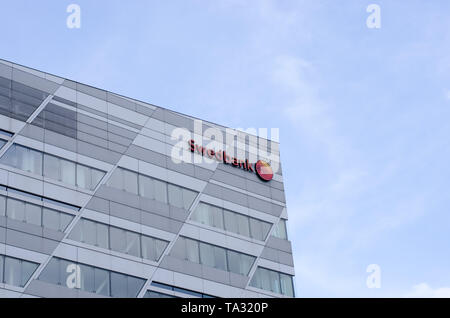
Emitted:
<point x="151" y="188"/>
<point x="117" y="239"/>
<point x="53" y="167"/>
<point x="273" y="281"/>
<point x="17" y="100"/>
<point x="280" y="230"/>
<point x="91" y="279"/>
<point x="58" y="119"/>
<point x="212" y="256"/>
<point x="40" y="198"/>
<point x="230" y="221"/>
<point x="16" y="272"/>
<point x="153" y="294"/>
<point x="34" y="214"/>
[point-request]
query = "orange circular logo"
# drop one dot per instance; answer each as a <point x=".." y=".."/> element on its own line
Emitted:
<point x="264" y="170"/>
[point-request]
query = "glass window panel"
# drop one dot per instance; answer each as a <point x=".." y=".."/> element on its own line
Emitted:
<point x="10" y="157"/>
<point x="256" y="229"/>
<point x="2" y="263"/>
<point x="146" y="187"/>
<point x="256" y="279"/>
<point x="101" y="282"/>
<point x="65" y="219"/>
<point x="102" y="235"/>
<point x="133" y="247"/>
<point x="75" y="234"/>
<point x="52" y="167"/>
<point x="265" y="279"/>
<point x="2" y="206"/>
<point x="68" y="172"/>
<point x="192" y="251"/>
<point x="63" y="274"/>
<point x="239" y="263"/>
<point x="265" y="229"/>
<point x="230" y="221"/>
<point x="207" y="255"/>
<point x="286" y="285"/>
<point x="35" y="162"/>
<point x="130" y="181"/>
<point x="134" y="285"/>
<point x="50" y="273"/>
<point x="217" y="216"/>
<point x="179" y="249"/>
<point x="160" y="246"/>
<point x="201" y="214"/>
<point x="97" y="176"/>
<point x="175" y="196"/>
<point x="50" y="219"/>
<point x="83" y="177"/>
<point x="160" y="191"/>
<point x="246" y="264"/>
<point x="13" y="271"/>
<point x="116" y="179"/>
<point x="220" y="258"/>
<point x="118" y="239"/>
<point x="275" y="282"/>
<point x="89" y="235"/>
<point x="28" y="269"/>
<point x="20" y="157"/>
<point x="87" y="278"/>
<point x="280" y="230"/>
<point x="33" y="214"/>
<point x="188" y="198"/>
<point x="119" y="285"/>
<point x="243" y="226"/>
<point x="15" y="209"/>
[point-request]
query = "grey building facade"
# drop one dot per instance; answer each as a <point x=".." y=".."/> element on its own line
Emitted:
<point x="92" y="203"/>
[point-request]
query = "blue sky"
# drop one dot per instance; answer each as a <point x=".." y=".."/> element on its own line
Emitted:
<point x="363" y="113"/>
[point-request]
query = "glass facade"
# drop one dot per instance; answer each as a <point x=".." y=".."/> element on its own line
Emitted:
<point x="150" y="224"/>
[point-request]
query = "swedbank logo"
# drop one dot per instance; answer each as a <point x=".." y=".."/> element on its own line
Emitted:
<point x="261" y="168"/>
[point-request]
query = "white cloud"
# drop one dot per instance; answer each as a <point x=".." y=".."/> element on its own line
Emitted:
<point x="423" y="290"/>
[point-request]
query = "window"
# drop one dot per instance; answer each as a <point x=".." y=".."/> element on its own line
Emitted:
<point x="273" y="281"/>
<point x="47" y="165"/>
<point x="280" y="230"/>
<point x="101" y="282"/>
<point x="16" y="272"/>
<point x="230" y="221"/>
<point x="150" y="188"/>
<point x="212" y="256"/>
<point x="92" y="279"/>
<point x="117" y="239"/>
<point x="175" y="196"/>
<point x="2" y="205"/>
<point x="55" y="220"/>
<point x="130" y="181"/>
<point x="146" y="187"/>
